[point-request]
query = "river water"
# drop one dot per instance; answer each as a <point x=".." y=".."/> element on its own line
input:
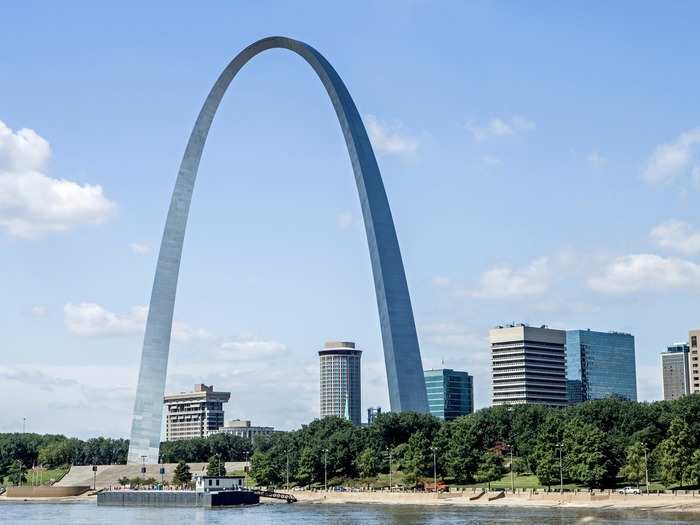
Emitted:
<point x="88" y="513"/>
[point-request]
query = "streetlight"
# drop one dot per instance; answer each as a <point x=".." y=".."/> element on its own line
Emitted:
<point x="512" y="477"/>
<point x="388" y="449"/>
<point x="287" y="469"/>
<point x="560" y="446"/>
<point x="325" y="469"/>
<point x="434" y="449"/>
<point x="94" y="476"/>
<point x="246" y="466"/>
<point x="646" y="466"/>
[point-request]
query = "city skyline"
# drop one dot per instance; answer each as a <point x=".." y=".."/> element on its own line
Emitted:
<point x="529" y="181"/>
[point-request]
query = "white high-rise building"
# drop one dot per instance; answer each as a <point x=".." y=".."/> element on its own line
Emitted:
<point x="340" y="380"/>
<point x="528" y="365"/>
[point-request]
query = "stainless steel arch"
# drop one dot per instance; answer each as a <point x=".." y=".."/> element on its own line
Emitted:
<point x="401" y="351"/>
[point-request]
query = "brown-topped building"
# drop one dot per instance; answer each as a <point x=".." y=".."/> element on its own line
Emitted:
<point x="194" y="414"/>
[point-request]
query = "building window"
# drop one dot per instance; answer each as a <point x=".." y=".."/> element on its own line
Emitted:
<point x="694" y="341"/>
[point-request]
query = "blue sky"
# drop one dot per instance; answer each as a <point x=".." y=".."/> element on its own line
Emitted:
<point x="542" y="161"/>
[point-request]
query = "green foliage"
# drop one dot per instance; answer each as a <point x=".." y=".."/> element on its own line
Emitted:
<point x="17" y="472"/>
<point x="587" y="454"/>
<point x="418" y="458"/>
<point x="369" y="462"/>
<point x="58" y="453"/>
<point x="216" y="466"/>
<point x="490" y="468"/>
<point x="182" y="475"/>
<point x="634" y="469"/>
<point x="463" y="451"/>
<point x="674" y="452"/>
<point x="694" y="467"/>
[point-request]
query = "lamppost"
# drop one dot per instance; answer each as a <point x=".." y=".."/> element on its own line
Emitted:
<point x="512" y="477"/>
<point x="287" y="469"/>
<point x="246" y="467"/>
<point x="560" y="446"/>
<point x="646" y="466"/>
<point x="325" y="469"/>
<point x="94" y="476"/>
<point x="388" y="449"/>
<point x="434" y="449"/>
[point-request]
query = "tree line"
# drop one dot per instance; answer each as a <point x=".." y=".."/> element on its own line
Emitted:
<point x="594" y="444"/>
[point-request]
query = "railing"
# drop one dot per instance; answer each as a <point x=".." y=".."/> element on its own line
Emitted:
<point x="274" y="495"/>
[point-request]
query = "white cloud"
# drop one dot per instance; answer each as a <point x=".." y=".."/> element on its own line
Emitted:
<point x="595" y="160"/>
<point x="671" y="160"/>
<point x="631" y="273"/>
<point x="678" y="236"/>
<point x="389" y="138"/>
<point x="39" y="311"/>
<point x="31" y="203"/>
<point x="93" y="320"/>
<point x="499" y="127"/>
<point x="140" y="248"/>
<point x="345" y="220"/>
<point x="503" y="281"/>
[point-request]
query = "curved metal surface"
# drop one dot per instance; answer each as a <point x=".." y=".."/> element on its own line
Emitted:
<point x="401" y="351"/>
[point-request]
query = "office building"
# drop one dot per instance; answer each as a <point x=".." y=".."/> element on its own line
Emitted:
<point x="194" y="414"/>
<point x="243" y="428"/>
<point x="340" y="380"/>
<point x="372" y="413"/>
<point x="528" y="365"/>
<point x="600" y="365"/>
<point x="693" y="368"/>
<point x="675" y="371"/>
<point x="450" y="393"/>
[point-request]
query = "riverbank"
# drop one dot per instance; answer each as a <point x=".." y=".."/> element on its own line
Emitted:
<point x="661" y="502"/>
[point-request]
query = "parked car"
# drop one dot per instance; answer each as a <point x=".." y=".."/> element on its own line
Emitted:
<point x="629" y="490"/>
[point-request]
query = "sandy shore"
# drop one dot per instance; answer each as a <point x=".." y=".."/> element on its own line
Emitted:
<point x="653" y="502"/>
<point x="664" y="502"/>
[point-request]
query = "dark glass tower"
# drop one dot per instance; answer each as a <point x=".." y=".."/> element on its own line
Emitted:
<point x="450" y="393"/>
<point x="600" y="365"/>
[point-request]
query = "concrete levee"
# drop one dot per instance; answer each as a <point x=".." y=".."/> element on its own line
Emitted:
<point x="46" y="492"/>
<point x="109" y="475"/>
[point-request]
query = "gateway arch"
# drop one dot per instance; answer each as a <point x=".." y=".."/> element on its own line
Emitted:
<point x="404" y="369"/>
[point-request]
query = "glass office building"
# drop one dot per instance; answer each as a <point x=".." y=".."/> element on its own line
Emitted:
<point x="600" y="365"/>
<point x="450" y="393"/>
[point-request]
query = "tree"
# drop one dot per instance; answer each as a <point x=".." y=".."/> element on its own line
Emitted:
<point x="369" y="462"/>
<point x="694" y="467"/>
<point x="56" y="454"/>
<point x="674" y="451"/>
<point x="462" y="454"/>
<point x="587" y="454"/>
<point x="490" y="468"/>
<point x="123" y="481"/>
<point x="17" y="472"/>
<point x="216" y="466"/>
<point x="418" y="458"/>
<point x="634" y="470"/>
<point x="182" y="475"/>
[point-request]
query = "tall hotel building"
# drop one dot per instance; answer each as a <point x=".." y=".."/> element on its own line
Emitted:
<point x="194" y="414"/>
<point x="340" y="381"/>
<point x="600" y="365"/>
<point x="675" y="372"/>
<point x="528" y="365"/>
<point x="694" y="369"/>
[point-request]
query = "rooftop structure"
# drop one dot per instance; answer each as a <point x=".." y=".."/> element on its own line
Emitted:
<point x="194" y="414"/>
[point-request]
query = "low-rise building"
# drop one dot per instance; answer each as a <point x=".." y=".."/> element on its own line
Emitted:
<point x="243" y="428"/>
<point x="218" y="483"/>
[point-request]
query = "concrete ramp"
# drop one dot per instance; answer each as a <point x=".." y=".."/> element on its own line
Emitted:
<point x="109" y="475"/>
